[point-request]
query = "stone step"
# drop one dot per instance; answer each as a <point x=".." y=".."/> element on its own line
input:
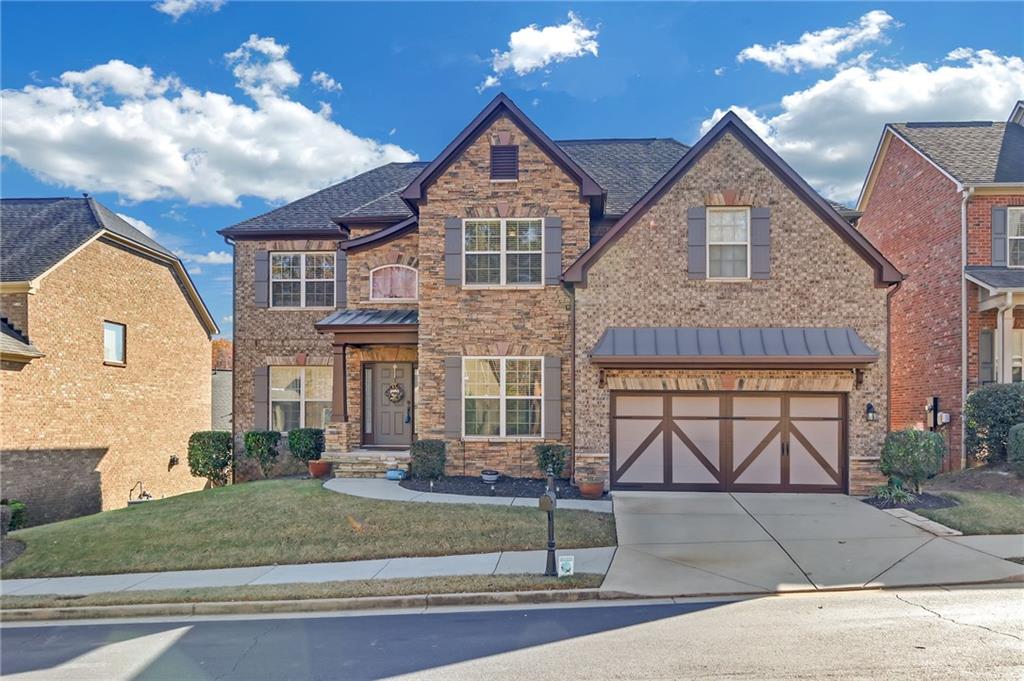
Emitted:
<point x="367" y="463"/>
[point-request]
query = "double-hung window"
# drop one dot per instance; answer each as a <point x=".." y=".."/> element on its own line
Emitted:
<point x="505" y="252"/>
<point x="302" y="279"/>
<point x="300" y="397"/>
<point x="1015" y="236"/>
<point x="113" y="343"/>
<point x="502" y="396"/>
<point x="728" y="243"/>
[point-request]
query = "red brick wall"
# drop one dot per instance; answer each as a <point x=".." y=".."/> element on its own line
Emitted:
<point x="913" y="217"/>
<point x="979" y="225"/>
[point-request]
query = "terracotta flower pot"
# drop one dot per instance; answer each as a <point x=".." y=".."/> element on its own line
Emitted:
<point x="319" y="468"/>
<point x="591" y="489"/>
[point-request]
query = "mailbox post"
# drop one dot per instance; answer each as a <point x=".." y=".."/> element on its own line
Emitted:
<point x="547" y="503"/>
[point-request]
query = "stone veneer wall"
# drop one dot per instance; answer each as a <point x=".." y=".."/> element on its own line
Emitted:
<point x="817" y="280"/>
<point x="459" y="322"/>
<point x="78" y="434"/>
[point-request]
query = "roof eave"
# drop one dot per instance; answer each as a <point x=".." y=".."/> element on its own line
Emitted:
<point x="269" y="235"/>
<point x="380" y="237"/>
<point x="733" y="362"/>
<point x="20" y="356"/>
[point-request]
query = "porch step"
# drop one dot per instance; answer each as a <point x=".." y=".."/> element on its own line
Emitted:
<point x="367" y="463"/>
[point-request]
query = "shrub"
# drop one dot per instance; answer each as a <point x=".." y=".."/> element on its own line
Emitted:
<point x="306" y="444"/>
<point x="1015" y="449"/>
<point x="18" y="513"/>
<point x="912" y="456"/>
<point x="989" y="413"/>
<point x="209" y="455"/>
<point x="893" y="494"/>
<point x="552" y="456"/>
<point x="427" y="459"/>
<point x="262" y="446"/>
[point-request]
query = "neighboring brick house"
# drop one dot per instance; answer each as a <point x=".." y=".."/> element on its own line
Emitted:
<point x="945" y="202"/>
<point x="469" y="299"/>
<point x="105" y="359"/>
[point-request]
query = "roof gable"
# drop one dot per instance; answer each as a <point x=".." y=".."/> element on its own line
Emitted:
<point x="972" y="152"/>
<point x="885" y="272"/>
<point x="500" y="105"/>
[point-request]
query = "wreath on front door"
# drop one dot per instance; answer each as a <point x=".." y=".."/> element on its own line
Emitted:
<point x="394" y="393"/>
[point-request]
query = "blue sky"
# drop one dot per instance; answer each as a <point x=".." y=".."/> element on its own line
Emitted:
<point x="192" y="123"/>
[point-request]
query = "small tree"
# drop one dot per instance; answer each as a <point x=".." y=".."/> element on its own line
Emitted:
<point x="1015" y="449"/>
<point x="553" y="457"/>
<point x="426" y="459"/>
<point x="306" y="444"/>
<point x="262" y="446"/>
<point x="909" y="457"/>
<point x="989" y="413"/>
<point x="209" y="455"/>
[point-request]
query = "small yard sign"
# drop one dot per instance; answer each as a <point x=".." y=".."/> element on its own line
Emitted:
<point x="565" y="566"/>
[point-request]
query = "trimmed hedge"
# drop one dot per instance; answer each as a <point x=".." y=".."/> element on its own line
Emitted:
<point x="909" y="457"/>
<point x="552" y="456"/>
<point x="18" y="513"/>
<point x="306" y="444"/>
<point x="989" y="413"/>
<point x="262" y="446"/>
<point x="426" y="459"/>
<point x="209" y="455"/>
<point x="1015" y="449"/>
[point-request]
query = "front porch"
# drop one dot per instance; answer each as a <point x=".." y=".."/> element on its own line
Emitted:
<point x="1000" y="324"/>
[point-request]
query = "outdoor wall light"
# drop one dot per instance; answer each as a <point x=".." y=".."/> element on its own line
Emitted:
<point x="869" y="412"/>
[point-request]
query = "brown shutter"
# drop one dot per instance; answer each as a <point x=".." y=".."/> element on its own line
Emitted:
<point x="552" y="398"/>
<point x="696" y="243"/>
<point x="453" y="398"/>
<point x="260" y="398"/>
<point x="262" y="279"/>
<point x="986" y="354"/>
<point x="552" y="251"/>
<point x="453" y="252"/>
<point x="760" y="243"/>
<point x="340" y="279"/>
<point x="999" y="236"/>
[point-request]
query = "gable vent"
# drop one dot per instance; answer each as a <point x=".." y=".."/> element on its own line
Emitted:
<point x="504" y="162"/>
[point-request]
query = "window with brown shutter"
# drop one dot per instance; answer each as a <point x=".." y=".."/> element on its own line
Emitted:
<point x="504" y="162"/>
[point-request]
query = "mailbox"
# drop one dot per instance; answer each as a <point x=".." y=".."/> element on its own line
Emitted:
<point x="547" y="501"/>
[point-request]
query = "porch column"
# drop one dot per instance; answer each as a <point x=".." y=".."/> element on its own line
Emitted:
<point x="1004" y="345"/>
<point x="339" y="397"/>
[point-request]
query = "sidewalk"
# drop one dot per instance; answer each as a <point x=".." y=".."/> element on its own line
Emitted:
<point x="388" y="490"/>
<point x="593" y="560"/>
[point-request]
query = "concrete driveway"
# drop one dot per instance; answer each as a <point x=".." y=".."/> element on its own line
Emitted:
<point x="698" y="543"/>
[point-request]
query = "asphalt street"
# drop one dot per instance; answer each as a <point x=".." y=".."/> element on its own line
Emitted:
<point x="916" y="634"/>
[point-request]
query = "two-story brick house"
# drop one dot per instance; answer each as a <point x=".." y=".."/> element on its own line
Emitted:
<point x="945" y="202"/>
<point x="517" y="290"/>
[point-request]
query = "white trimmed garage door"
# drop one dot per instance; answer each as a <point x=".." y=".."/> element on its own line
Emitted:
<point x="755" y="442"/>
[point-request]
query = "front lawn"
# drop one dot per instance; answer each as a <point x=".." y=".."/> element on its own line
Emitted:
<point x="981" y="513"/>
<point x="285" y="522"/>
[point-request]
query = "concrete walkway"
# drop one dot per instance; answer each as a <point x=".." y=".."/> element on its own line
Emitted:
<point x="594" y="561"/>
<point x="388" y="490"/>
<point x="698" y="543"/>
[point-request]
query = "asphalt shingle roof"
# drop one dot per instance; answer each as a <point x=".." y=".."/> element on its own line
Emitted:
<point x="971" y="151"/>
<point x="35" y="234"/>
<point x="997" y="277"/>
<point x="12" y="340"/>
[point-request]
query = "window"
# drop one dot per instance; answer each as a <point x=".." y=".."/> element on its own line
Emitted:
<point x="300" y="397"/>
<point x="393" y="282"/>
<point x="113" y="342"/>
<point x="504" y="162"/>
<point x="1015" y="237"/>
<point x="503" y="252"/>
<point x="502" y="396"/>
<point x="302" y="280"/>
<point x="728" y="243"/>
<point x="1017" y="356"/>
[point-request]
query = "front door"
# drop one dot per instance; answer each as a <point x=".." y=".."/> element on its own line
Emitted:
<point x="389" y="396"/>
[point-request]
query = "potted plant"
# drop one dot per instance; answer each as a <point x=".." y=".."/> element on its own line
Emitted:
<point x="591" y="487"/>
<point x="307" y="444"/>
<point x="489" y="476"/>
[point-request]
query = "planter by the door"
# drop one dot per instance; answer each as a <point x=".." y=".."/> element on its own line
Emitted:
<point x="318" y="468"/>
<point x="489" y="477"/>
<point x="591" y="488"/>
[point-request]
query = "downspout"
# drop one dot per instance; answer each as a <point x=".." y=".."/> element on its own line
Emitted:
<point x="888" y="352"/>
<point x="571" y="290"/>
<point x="967" y="193"/>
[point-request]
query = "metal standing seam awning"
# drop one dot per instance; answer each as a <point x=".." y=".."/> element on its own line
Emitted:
<point x="732" y="348"/>
<point x="371" y="326"/>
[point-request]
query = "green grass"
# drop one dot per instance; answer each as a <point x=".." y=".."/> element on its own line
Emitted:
<point x="981" y="513"/>
<point x="286" y="522"/>
<point x="285" y="592"/>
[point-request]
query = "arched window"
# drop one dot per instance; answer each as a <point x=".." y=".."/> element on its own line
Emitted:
<point x="393" y="282"/>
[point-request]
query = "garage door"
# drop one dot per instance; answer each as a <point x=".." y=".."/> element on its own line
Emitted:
<point x="756" y="442"/>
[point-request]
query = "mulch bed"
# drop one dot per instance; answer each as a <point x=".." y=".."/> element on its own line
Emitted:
<point x="10" y="549"/>
<point x="997" y="477"/>
<point x="923" y="500"/>
<point x="505" y="487"/>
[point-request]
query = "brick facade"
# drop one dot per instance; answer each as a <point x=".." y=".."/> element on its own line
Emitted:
<point x="77" y="434"/>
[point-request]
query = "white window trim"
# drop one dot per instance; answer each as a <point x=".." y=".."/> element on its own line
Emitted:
<point x="302" y="393"/>
<point x="501" y="401"/>
<point x="707" y="241"/>
<point x="395" y="300"/>
<point x="1009" y="239"/>
<point x="302" y="281"/>
<point x="124" y="343"/>
<point x="501" y="255"/>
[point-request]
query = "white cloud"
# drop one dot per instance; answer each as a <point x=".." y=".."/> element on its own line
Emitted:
<point x="140" y="225"/>
<point x="532" y="48"/>
<point x="208" y="258"/>
<point x="228" y="319"/>
<point x="195" y="269"/>
<point x="120" y="128"/>
<point x="818" y="49"/>
<point x="325" y="82"/>
<point x="829" y="131"/>
<point x="178" y="8"/>
<point x="720" y="71"/>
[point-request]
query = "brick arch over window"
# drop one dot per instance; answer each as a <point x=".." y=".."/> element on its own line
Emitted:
<point x="394" y="282"/>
